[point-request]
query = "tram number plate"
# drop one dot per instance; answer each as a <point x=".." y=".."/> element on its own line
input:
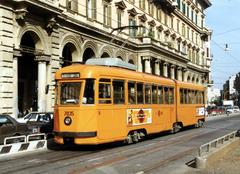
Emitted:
<point x="68" y="113"/>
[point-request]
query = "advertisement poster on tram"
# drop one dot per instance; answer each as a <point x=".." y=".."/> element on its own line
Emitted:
<point x="200" y="111"/>
<point x="139" y="116"/>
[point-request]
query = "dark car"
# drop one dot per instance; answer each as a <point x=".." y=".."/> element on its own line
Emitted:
<point x="44" y="124"/>
<point x="10" y="127"/>
<point x="47" y="128"/>
<point x="36" y="117"/>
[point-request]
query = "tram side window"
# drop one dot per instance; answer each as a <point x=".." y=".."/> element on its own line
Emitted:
<point x="154" y="94"/>
<point x="196" y="97"/>
<point x="148" y="99"/>
<point x="88" y="97"/>
<point x="171" y="95"/>
<point x="160" y="94"/>
<point x="202" y="97"/>
<point x="70" y="93"/>
<point x="131" y="93"/>
<point x="140" y="93"/>
<point x="185" y="96"/>
<point x="199" y="97"/>
<point x="166" y="97"/>
<point x="181" y="96"/>
<point x="118" y="92"/>
<point x="104" y="91"/>
<point x="189" y="97"/>
<point x="193" y="97"/>
<point x="56" y="93"/>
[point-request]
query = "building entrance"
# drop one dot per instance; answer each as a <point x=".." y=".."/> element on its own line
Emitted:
<point x="27" y="76"/>
<point x="27" y="83"/>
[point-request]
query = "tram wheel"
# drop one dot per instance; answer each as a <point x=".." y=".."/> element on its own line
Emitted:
<point x="135" y="137"/>
<point x="175" y="128"/>
<point x="200" y="123"/>
<point x="129" y="139"/>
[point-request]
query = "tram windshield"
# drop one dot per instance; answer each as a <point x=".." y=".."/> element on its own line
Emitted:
<point x="70" y="93"/>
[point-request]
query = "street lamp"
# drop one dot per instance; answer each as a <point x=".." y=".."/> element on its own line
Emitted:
<point x="226" y="48"/>
<point x="224" y="94"/>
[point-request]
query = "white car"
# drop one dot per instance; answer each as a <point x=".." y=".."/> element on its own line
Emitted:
<point x="36" y="117"/>
<point x="232" y="109"/>
<point x="236" y="109"/>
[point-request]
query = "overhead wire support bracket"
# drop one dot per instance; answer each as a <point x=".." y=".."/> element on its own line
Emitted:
<point x="120" y="29"/>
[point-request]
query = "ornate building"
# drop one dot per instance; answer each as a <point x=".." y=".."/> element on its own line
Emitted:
<point x="162" y="37"/>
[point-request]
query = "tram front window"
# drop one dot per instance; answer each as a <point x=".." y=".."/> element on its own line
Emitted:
<point x="70" y="93"/>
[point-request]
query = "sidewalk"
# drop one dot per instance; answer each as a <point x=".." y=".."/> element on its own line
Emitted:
<point x="208" y="118"/>
<point x="227" y="161"/>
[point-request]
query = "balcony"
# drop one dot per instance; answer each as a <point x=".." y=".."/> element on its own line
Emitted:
<point x="169" y="5"/>
<point x="52" y="5"/>
<point x="210" y="83"/>
<point x="51" y="2"/>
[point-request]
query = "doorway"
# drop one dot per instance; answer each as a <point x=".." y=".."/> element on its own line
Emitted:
<point x="27" y="76"/>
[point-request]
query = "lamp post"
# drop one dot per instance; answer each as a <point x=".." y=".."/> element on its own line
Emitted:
<point x="224" y="95"/>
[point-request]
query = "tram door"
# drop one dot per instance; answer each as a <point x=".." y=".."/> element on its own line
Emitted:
<point x="111" y="113"/>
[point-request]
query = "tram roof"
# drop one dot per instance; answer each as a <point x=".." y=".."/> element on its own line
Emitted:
<point x="112" y="62"/>
<point x="97" y="71"/>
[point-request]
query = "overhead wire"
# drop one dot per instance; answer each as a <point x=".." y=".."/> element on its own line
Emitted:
<point x="216" y="35"/>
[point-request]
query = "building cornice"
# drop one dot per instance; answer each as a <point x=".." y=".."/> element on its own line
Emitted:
<point x="207" y="3"/>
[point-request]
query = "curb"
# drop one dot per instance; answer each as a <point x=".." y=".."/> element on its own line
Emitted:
<point x="31" y="143"/>
<point x="202" y="161"/>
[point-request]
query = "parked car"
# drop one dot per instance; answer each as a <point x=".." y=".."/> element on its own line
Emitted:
<point x="216" y="110"/>
<point x="229" y="110"/>
<point x="10" y="127"/>
<point x="36" y="117"/>
<point x="232" y="109"/>
<point x="46" y="128"/>
<point x="236" y="109"/>
<point x="40" y="122"/>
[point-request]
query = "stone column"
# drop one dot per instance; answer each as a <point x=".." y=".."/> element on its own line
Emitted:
<point x="185" y="74"/>
<point x="42" y="81"/>
<point x="165" y="69"/>
<point x="140" y="64"/>
<point x="179" y="74"/>
<point x="172" y="71"/>
<point x="157" y="67"/>
<point x="16" y="55"/>
<point x="147" y="64"/>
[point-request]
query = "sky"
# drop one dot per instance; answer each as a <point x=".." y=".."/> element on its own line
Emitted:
<point x="223" y="18"/>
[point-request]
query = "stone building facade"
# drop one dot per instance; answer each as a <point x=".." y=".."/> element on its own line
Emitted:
<point x="37" y="37"/>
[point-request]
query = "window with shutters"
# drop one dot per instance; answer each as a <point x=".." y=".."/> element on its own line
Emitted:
<point x="159" y="14"/>
<point x="150" y="8"/>
<point x="142" y="4"/>
<point x="91" y="9"/>
<point x="119" y="17"/>
<point x="183" y="30"/>
<point x="107" y="14"/>
<point x="72" y="5"/>
<point x="132" y="28"/>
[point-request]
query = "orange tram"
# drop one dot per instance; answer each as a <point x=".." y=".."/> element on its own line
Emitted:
<point x="97" y="104"/>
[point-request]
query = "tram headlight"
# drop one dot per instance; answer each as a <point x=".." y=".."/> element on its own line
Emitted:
<point x="67" y="121"/>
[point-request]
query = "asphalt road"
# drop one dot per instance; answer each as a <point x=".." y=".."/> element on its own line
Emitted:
<point x="163" y="153"/>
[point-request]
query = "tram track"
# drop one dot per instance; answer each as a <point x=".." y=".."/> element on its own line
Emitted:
<point x="138" y="154"/>
<point x="80" y="160"/>
<point x="170" y="159"/>
<point x="127" y="152"/>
